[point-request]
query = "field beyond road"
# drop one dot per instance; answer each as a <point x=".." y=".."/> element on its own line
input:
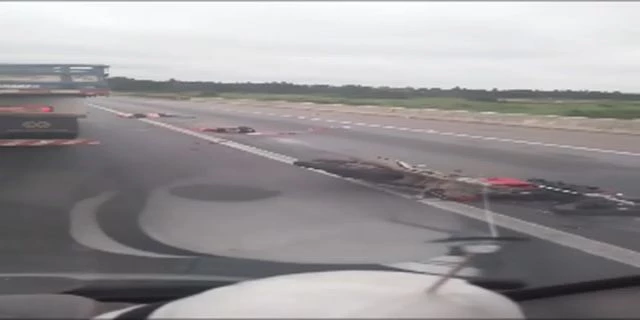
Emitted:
<point x="616" y="109"/>
<point x="573" y="108"/>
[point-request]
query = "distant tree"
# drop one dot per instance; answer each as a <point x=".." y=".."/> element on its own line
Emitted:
<point x="357" y="91"/>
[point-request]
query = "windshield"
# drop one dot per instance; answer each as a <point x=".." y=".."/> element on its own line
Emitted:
<point x="245" y="139"/>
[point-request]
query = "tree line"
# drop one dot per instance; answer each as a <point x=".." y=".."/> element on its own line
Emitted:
<point x="208" y="88"/>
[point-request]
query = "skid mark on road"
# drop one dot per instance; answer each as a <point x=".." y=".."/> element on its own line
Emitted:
<point x="566" y="239"/>
<point x="86" y="230"/>
<point x="446" y="133"/>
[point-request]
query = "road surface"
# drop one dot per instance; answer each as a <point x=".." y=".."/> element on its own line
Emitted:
<point x="158" y="197"/>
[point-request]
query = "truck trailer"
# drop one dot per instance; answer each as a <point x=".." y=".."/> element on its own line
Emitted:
<point x="46" y="101"/>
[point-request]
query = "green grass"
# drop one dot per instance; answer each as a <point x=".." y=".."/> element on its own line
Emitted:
<point x="159" y="95"/>
<point x="582" y="108"/>
<point x="576" y="108"/>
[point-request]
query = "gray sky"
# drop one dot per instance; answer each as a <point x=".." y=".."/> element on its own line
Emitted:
<point x="590" y="45"/>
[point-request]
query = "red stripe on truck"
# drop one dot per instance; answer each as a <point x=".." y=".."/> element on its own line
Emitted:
<point x="82" y="92"/>
<point x="26" y="108"/>
<point x="41" y="143"/>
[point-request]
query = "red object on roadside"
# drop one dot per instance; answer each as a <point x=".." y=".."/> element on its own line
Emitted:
<point x="507" y="182"/>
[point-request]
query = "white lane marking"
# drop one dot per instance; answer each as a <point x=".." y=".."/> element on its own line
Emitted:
<point x="345" y="122"/>
<point x="257" y="112"/>
<point x="286" y="115"/>
<point x="590" y="246"/>
<point x="228" y="143"/>
<point x="346" y="127"/>
<point x="330" y="120"/>
<point x="489" y="138"/>
<point x="389" y="127"/>
<point x="302" y="117"/>
<point x="86" y="230"/>
<point x="594" y="247"/>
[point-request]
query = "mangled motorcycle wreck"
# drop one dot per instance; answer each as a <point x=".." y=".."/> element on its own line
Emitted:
<point x="563" y="198"/>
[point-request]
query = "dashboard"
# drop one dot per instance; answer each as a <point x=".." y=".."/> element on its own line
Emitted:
<point x="607" y="299"/>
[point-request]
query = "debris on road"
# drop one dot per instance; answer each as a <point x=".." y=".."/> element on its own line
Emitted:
<point x="240" y="129"/>
<point x="597" y="207"/>
<point x="252" y="132"/>
<point x="288" y="133"/>
<point x="564" y="197"/>
<point x="42" y="143"/>
<point x="154" y="115"/>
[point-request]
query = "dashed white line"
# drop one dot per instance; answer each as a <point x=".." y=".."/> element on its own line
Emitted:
<point x="590" y="246"/>
<point x="470" y="136"/>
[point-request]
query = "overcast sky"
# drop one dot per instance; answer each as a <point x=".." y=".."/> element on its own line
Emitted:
<point x="570" y="45"/>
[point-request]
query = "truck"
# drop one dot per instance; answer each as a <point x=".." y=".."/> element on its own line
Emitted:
<point x="46" y="101"/>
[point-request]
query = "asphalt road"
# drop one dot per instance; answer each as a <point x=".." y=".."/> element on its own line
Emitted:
<point x="154" y="197"/>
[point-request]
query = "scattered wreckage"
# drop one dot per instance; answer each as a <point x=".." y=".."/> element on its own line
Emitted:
<point x="565" y="198"/>
<point x="239" y="129"/>
<point x="154" y="115"/>
<point x="253" y="132"/>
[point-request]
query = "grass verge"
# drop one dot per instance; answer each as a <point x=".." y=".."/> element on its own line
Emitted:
<point x="576" y="108"/>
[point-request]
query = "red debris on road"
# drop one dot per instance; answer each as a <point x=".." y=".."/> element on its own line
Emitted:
<point x="42" y="143"/>
<point x="252" y="132"/>
<point x="507" y="182"/>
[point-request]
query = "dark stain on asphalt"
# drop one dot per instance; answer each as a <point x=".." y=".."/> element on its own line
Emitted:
<point x="226" y="193"/>
<point x="118" y="218"/>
